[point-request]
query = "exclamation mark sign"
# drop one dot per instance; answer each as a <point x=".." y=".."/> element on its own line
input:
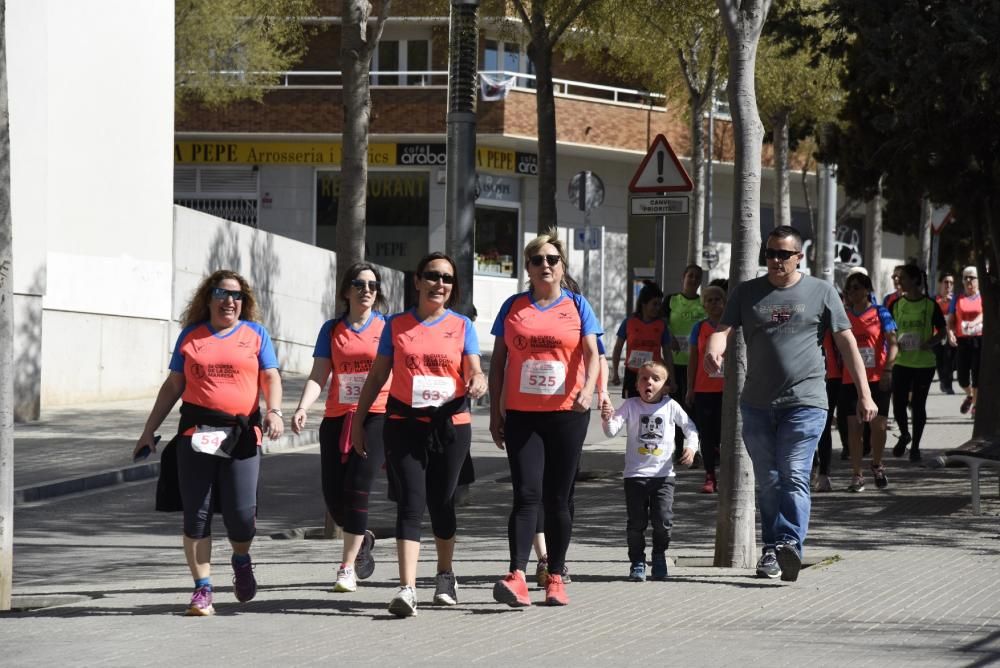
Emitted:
<point x="659" y="166"/>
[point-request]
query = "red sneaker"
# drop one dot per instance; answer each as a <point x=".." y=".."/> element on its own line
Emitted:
<point x="513" y="590"/>
<point x="555" y="591"/>
<point x="709" y="486"/>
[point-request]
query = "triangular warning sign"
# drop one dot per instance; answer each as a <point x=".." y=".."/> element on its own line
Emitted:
<point x="660" y="171"/>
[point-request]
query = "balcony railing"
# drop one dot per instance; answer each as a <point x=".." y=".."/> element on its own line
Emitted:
<point x="321" y="80"/>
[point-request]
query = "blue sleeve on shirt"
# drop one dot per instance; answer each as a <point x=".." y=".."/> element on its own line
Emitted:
<point x="502" y="315"/>
<point x="471" y="338"/>
<point x="888" y="324"/>
<point x="385" y="346"/>
<point x="266" y="358"/>
<point x="601" y="350"/>
<point x="177" y="359"/>
<point x="322" y="348"/>
<point x="693" y="339"/>
<point x="623" y="329"/>
<point x="666" y="338"/>
<point x="588" y="321"/>
<point x="952" y="304"/>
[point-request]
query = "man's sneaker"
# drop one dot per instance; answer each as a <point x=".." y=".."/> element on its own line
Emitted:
<point x="201" y="603"/>
<point x="364" y="563"/>
<point x="878" y="472"/>
<point x="823" y="484"/>
<point x="966" y="405"/>
<point x="659" y="567"/>
<point x="566" y="579"/>
<point x="637" y="572"/>
<point x="555" y="592"/>
<point x="857" y="484"/>
<point x="513" y="590"/>
<point x="404" y="603"/>
<point x="542" y="572"/>
<point x="244" y="582"/>
<point x="768" y="566"/>
<point x="789" y="560"/>
<point x="346" y="580"/>
<point x="709" y="486"/>
<point x="900" y="448"/>
<point x="915" y="455"/>
<point x="445" y="589"/>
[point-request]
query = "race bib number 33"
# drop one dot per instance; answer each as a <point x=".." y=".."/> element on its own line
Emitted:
<point x="350" y="385"/>
<point x="543" y="377"/>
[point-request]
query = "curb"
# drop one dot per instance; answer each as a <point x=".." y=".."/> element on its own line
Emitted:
<point x="51" y="489"/>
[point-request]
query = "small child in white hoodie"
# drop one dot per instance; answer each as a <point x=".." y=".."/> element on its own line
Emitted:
<point x="649" y="475"/>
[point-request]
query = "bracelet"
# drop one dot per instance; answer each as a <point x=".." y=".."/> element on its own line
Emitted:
<point x="300" y="408"/>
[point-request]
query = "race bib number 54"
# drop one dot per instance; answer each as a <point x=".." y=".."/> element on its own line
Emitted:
<point x="543" y="377"/>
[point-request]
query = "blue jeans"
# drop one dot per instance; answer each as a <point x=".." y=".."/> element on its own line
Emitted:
<point x="781" y="443"/>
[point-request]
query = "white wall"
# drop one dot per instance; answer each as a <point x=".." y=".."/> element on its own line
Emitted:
<point x="291" y="210"/>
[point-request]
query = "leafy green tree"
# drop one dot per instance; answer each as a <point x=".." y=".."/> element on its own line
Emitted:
<point x="228" y="50"/>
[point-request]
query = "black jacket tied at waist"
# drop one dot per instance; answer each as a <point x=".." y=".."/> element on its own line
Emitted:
<point x="442" y="431"/>
<point x="241" y="442"/>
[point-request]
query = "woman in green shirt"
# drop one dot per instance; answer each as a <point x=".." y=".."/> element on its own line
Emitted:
<point x="920" y="326"/>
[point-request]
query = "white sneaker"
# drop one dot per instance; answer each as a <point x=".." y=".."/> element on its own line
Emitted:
<point x="404" y="603"/>
<point x="346" y="580"/>
<point x="445" y="589"/>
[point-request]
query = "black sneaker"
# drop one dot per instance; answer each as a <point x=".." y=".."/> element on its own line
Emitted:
<point x="881" y="480"/>
<point x="768" y="566"/>
<point x="789" y="561"/>
<point x="900" y="449"/>
<point x="364" y="563"/>
<point x="915" y="455"/>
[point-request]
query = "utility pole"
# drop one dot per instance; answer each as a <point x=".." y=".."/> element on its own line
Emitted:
<point x="460" y="186"/>
<point x="6" y="338"/>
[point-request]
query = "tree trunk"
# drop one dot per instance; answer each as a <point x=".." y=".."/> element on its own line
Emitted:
<point x="541" y="53"/>
<point x="926" y="210"/>
<point x="696" y="229"/>
<point x="735" y="541"/>
<point x="873" y="240"/>
<point x="782" y="184"/>
<point x="987" y="219"/>
<point x="355" y="63"/>
<point x="6" y="338"/>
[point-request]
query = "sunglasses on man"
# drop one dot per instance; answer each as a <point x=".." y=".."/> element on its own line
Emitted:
<point x="435" y="276"/>
<point x="222" y="293"/>
<point x="779" y="254"/>
<point x="537" y="260"/>
<point x="360" y="285"/>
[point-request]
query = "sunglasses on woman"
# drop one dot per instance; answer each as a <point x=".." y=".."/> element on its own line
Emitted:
<point x="779" y="254"/>
<point x="222" y="293"/>
<point x="435" y="276"/>
<point x="537" y="260"/>
<point x="360" y="285"/>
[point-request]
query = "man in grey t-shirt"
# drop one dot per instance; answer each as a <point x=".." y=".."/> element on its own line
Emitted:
<point x="784" y="316"/>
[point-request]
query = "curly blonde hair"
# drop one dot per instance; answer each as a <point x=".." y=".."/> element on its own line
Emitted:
<point x="197" y="309"/>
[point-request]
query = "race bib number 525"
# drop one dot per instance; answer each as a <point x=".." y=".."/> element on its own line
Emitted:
<point x="543" y="377"/>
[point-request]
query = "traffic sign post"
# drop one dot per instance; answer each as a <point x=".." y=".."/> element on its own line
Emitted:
<point x="586" y="192"/>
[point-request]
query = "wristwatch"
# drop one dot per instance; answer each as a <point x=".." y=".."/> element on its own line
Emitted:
<point x="277" y="411"/>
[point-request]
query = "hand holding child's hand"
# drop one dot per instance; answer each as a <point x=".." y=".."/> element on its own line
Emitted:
<point x="606" y="411"/>
<point x="687" y="457"/>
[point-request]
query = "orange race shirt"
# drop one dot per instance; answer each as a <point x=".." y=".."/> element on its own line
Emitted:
<point x="698" y="344"/>
<point x="966" y="309"/>
<point x="351" y="353"/>
<point x="869" y="330"/>
<point x="221" y="373"/>
<point x="427" y="358"/>
<point x="943" y="302"/>
<point x="644" y="341"/>
<point x="545" y="368"/>
<point x="834" y="367"/>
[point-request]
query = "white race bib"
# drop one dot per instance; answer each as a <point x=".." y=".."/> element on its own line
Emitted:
<point x="543" y="377"/>
<point x="350" y="387"/>
<point x="909" y="341"/>
<point x="432" y="391"/>
<point x="683" y="344"/>
<point x="636" y="358"/>
<point x="208" y="440"/>
<point x="868" y="357"/>
<point x="972" y="329"/>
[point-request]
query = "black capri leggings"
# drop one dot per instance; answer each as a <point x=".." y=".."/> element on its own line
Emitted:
<point x="543" y="450"/>
<point x="708" y="419"/>
<point x="967" y="360"/>
<point x="230" y="483"/>
<point x="424" y="478"/>
<point x="906" y="381"/>
<point x="824" y="450"/>
<point x="348" y="485"/>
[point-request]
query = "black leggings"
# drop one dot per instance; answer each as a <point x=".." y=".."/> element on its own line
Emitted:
<point x="208" y="480"/>
<point x="347" y="485"/>
<point x="424" y="478"/>
<point x="708" y="419"/>
<point x="907" y="380"/>
<point x="945" y="356"/>
<point x="543" y="449"/>
<point x="825" y="449"/>
<point x="967" y="360"/>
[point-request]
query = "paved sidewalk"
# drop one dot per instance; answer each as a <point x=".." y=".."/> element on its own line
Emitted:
<point x="908" y="576"/>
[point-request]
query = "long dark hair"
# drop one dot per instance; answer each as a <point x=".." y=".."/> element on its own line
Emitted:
<point x="915" y="274"/>
<point x="380" y="305"/>
<point x="456" y="293"/>
<point x="648" y="293"/>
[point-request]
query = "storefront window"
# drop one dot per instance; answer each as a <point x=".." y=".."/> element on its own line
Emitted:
<point x="496" y="241"/>
<point x="397" y="216"/>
